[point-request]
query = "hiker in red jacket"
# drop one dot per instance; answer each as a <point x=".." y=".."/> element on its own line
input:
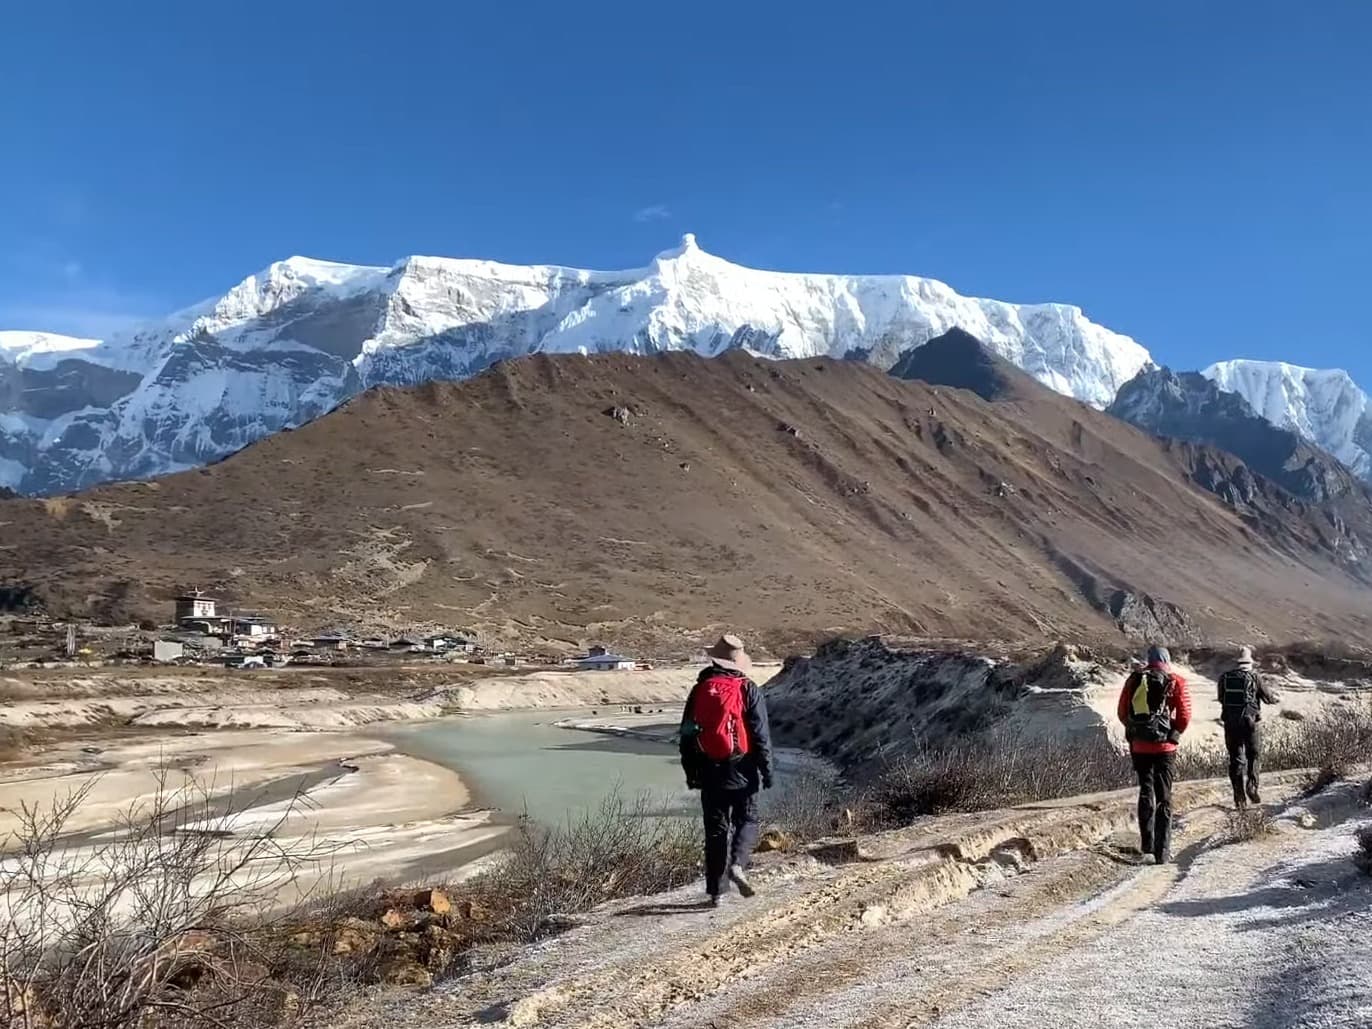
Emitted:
<point x="726" y="752"/>
<point x="1155" y="709"/>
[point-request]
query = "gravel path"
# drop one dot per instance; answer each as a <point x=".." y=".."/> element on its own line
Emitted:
<point x="1264" y="935"/>
<point x="1038" y="916"/>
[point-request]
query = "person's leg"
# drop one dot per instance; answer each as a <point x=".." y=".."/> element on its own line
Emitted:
<point x="715" y="808"/>
<point x="1143" y="766"/>
<point x="1233" y="742"/>
<point x="1163" y="769"/>
<point x="1254" y="748"/>
<point x="745" y="828"/>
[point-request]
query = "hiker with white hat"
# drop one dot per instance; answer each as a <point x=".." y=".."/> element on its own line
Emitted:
<point x="1241" y="694"/>
<point x="726" y="752"/>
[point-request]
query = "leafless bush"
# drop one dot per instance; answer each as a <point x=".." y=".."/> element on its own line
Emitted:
<point x="810" y="805"/>
<point x="1363" y="855"/>
<point x="1249" y="824"/>
<point x="1334" y="743"/>
<point x="156" y="922"/>
<point x="990" y="770"/>
<point x="620" y="849"/>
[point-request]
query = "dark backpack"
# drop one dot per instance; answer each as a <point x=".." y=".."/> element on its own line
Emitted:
<point x="1150" y="714"/>
<point x="718" y="715"/>
<point x="1238" y="695"/>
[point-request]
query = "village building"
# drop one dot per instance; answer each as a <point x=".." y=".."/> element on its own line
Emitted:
<point x="331" y="641"/>
<point x="195" y="605"/>
<point x="604" y="661"/>
<point x="255" y="626"/>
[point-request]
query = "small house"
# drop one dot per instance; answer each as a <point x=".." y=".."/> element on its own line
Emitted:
<point x="195" y="605"/>
<point x="254" y="626"/>
<point x="606" y="662"/>
<point x="335" y="641"/>
<point x="596" y="651"/>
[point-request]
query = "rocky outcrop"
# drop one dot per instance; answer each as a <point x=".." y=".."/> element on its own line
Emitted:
<point x="861" y="700"/>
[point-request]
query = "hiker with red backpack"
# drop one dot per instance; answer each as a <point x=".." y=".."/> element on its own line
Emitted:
<point x="1155" y="708"/>
<point x="726" y="752"/>
<point x="1241" y="695"/>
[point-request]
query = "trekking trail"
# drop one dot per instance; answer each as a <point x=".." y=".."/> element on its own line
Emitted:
<point x="1029" y="916"/>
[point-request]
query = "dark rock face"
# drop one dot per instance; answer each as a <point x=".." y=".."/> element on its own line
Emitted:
<point x="1188" y="406"/>
<point x="959" y="360"/>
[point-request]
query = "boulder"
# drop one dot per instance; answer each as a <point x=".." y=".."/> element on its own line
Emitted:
<point x="774" y="840"/>
<point x="433" y="900"/>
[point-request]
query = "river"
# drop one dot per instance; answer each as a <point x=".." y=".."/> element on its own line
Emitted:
<point x="522" y="761"/>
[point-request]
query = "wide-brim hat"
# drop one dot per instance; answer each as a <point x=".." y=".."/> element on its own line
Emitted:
<point x="1245" y="657"/>
<point x="729" y="653"/>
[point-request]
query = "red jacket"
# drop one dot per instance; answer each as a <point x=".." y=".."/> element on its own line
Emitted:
<point x="1179" y="702"/>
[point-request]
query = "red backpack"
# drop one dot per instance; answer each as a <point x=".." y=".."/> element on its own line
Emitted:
<point x="718" y="711"/>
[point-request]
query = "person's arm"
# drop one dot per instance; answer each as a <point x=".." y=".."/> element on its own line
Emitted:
<point x="759" y="732"/>
<point x="1265" y="692"/>
<point x="686" y="737"/>
<point x="1181" y="708"/>
<point x="1126" y="698"/>
<point x="1219" y="689"/>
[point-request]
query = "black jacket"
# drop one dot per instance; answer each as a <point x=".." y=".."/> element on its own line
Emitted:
<point x="748" y="772"/>
<point x="1263" y="695"/>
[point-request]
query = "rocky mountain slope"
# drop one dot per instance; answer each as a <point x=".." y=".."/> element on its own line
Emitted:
<point x="652" y="499"/>
<point x="1324" y="405"/>
<point x="1191" y="407"/>
<point x="294" y="341"/>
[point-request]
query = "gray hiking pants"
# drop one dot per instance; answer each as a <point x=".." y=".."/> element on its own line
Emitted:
<point x="727" y="811"/>
<point x="1243" y="738"/>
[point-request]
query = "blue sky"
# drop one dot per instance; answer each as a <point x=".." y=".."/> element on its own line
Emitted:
<point x="1198" y="175"/>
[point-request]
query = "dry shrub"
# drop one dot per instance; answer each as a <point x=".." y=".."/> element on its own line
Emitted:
<point x="990" y="770"/>
<point x="1334" y="743"/>
<point x="810" y="806"/>
<point x="1363" y="855"/>
<point x="156" y="923"/>
<point x="1248" y="824"/>
<point x="621" y="849"/>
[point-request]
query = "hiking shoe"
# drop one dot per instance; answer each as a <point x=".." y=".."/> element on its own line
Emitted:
<point x="716" y="899"/>
<point x="736" y="876"/>
<point x="1163" y="857"/>
<point x="1253" y="793"/>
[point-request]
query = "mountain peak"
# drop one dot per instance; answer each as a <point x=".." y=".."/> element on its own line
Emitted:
<point x="1324" y="405"/>
<point x="686" y="247"/>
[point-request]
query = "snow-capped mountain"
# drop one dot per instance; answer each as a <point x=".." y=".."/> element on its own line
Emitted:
<point x="1189" y="406"/>
<point x="1324" y="405"/>
<point x="296" y="340"/>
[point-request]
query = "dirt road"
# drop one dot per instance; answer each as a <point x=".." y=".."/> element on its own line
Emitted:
<point x="1032" y="916"/>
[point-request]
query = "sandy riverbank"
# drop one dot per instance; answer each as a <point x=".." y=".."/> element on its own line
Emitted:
<point x="377" y="811"/>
